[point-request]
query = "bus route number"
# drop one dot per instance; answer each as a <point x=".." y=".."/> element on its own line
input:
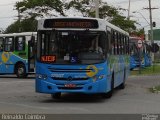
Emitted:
<point x="48" y="58"/>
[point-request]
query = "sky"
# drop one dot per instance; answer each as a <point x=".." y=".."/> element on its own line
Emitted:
<point x="138" y="13"/>
<point x="8" y="14"/>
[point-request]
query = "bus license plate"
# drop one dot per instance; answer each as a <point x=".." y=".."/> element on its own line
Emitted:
<point x="70" y="85"/>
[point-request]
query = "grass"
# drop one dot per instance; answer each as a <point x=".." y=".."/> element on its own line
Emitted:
<point x="152" y="70"/>
<point x="155" y="89"/>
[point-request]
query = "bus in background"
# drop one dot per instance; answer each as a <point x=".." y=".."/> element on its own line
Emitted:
<point x="17" y="53"/>
<point x="140" y="57"/>
<point x="80" y="55"/>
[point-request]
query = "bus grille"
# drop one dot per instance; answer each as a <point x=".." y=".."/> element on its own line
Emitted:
<point x="69" y="70"/>
<point x="69" y="78"/>
<point x="66" y="88"/>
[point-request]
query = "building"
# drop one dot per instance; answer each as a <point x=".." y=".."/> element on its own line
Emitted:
<point x="156" y="34"/>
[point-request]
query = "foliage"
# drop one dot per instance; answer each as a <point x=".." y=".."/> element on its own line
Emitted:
<point x="27" y="25"/>
<point x="123" y="23"/>
<point x="48" y="8"/>
<point x="107" y="12"/>
<point x="39" y="7"/>
<point x="30" y="10"/>
<point x="138" y="32"/>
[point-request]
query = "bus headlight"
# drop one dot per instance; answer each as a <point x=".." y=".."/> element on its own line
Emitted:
<point x="41" y="76"/>
<point x="100" y="77"/>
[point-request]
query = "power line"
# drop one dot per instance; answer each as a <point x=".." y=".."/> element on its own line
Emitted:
<point x="126" y="1"/>
<point x="145" y="17"/>
<point x="7" y="4"/>
<point x="7" y="17"/>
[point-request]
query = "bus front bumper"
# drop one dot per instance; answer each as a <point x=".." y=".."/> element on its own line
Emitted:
<point x="99" y="86"/>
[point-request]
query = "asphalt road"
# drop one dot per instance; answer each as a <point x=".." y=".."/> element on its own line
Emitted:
<point x="19" y="96"/>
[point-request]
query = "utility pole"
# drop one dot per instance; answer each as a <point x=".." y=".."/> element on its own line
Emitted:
<point x="151" y="28"/>
<point x="151" y="22"/>
<point x="97" y="8"/>
<point x="129" y="5"/>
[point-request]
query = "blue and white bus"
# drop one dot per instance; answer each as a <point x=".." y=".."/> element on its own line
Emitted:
<point x="140" y="57"/>
<point x="65" y="62"/>
<point x="17" y="53"/>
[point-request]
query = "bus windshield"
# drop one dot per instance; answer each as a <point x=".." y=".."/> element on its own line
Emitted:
<point x="72" y="47"/>
<point x="135" y="51"/>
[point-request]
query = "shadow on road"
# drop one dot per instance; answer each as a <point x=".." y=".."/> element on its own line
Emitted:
<point x="78" y="98"/>
<point x="14" y="76"/>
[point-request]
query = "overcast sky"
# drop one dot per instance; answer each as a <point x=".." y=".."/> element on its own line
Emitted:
<point x="8" y="14"/>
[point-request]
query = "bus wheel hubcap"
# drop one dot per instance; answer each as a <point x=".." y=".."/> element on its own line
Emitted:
<point x="20" y="71"/>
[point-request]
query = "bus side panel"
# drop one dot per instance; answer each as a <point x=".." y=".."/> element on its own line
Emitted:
<point x="8" y="61"/>
<point x="147" y="60"/>
<point x="132" y="63"/>
<point x="127" y="66"/>
<point x="120" y="68"/>
<point x="116" y="69"/>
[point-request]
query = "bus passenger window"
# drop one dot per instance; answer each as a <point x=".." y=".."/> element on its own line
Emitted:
<point x="20" y="43"/>
<point x="118" y="44"/>
<point x="8" y="47"/>
<point x="1" y="44"/>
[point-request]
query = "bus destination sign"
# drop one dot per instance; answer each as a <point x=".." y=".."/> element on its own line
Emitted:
<point x="70" y="23"/>
<point x="48" y="58"/>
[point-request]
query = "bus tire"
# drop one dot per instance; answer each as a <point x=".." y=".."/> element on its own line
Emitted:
<point x="56" y="95"/>
<point x="110" y="93"/>
<point x="21" y="71"/>
<point x="122" y="85"/>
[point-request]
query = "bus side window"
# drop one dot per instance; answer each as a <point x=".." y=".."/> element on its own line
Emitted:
<point x="118" y="44"/>
<point x="20" y="43"/>
<point x="113" y="42"/>
<point x="8" y="44"/>
<point x="109" y="47"/>
<point x="122" y="42"/>
<point x="128" y="45"/>
<point x="1" y="44"/>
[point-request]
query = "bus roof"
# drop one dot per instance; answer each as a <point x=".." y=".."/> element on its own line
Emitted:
<point x="101" y="22"/>
<point x="19" y="34"/>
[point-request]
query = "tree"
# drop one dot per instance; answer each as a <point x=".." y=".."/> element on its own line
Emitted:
<point x="27" y="25"/>
<point x="43" y="8"/>
<point x="83" y="6"/>
<point x="123" y="23"/>
<point x="139" y="33"/>
<point x="30" y="10"/>
<point x="106" y="12"/>
<point x="40" y="8"/>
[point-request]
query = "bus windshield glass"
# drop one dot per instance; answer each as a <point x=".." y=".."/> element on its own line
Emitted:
<point x="71" y="47"/>
<point x="135" y="51"/>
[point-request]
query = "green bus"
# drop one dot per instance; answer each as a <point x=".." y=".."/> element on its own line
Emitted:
<point x="17" y="53"/>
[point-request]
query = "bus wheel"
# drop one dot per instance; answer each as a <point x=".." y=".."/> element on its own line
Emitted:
<point x="109" y="94"/>
<point x="56" y="95"/>
<point x="21" y="71"/>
